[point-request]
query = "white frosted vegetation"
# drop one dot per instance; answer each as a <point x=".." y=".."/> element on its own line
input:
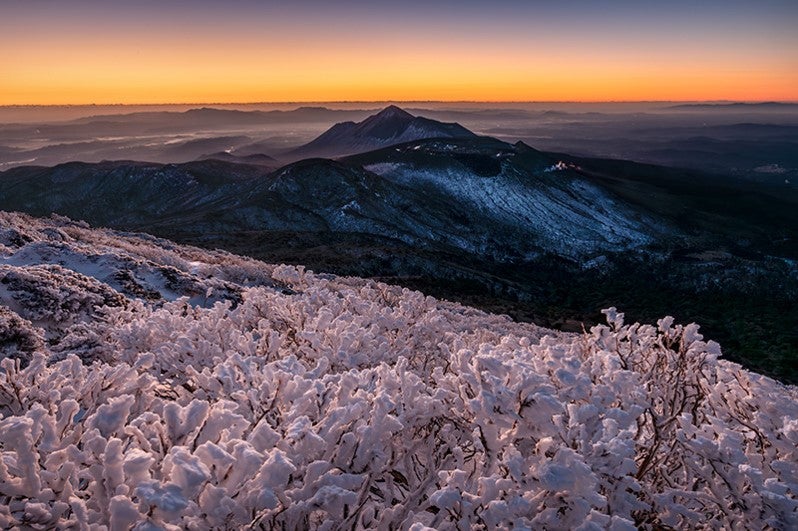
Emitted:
<point x="320" y="402"/>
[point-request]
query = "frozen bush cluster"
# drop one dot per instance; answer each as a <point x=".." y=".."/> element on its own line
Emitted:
<point x="52" y="292"/>
<point x="18" y="337"/>
<point x="316" y="402"/>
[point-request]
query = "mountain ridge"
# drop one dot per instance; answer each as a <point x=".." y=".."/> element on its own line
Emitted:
<point x="390" y="126"/>
<point x="514" y="197"/>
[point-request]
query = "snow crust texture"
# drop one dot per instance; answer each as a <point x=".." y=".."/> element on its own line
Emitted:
<point x="278" y="398"/>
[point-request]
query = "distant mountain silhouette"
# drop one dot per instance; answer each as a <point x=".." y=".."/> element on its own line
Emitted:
<point x="259" y="159"/>
<point x="212" y="116"/>
<point x="738" y="106"/>
<point x="390" y="126"/>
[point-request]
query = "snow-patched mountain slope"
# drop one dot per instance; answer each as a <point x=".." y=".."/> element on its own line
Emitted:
<point x="478" y="195"/>
<point x="390" y="126"/>
<point x="514" y="194"/>
<point x="307" y="401"/>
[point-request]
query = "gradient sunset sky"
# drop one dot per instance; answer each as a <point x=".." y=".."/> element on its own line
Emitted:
<point x="170" y="51"/>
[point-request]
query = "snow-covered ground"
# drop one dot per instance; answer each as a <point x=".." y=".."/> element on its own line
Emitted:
<point x="568" y="216"/>
<point x="152" y="386"/>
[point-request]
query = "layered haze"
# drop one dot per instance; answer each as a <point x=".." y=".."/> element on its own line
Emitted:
<point x="753" y="141"/>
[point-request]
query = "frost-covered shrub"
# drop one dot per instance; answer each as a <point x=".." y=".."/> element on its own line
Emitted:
<point x="51" y="292"/>
<point x="13" y="237"/>
<point x="323" y="402"/>
<point x="19" y="339"/>
<point x="704" y="429"/>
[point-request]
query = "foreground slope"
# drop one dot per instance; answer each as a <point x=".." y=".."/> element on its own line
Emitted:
<point x="153" y="385"/>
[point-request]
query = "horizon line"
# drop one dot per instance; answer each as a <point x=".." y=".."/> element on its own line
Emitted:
<point x="306" y="102"/>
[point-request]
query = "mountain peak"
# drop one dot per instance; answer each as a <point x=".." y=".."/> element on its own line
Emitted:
<point x="393" y="111"/>
<point x="392" y="125"/>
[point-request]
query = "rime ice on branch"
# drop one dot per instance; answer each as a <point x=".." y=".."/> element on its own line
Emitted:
<point x="147" y="384"/>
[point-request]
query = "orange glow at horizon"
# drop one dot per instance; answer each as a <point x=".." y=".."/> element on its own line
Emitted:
<point x="205" y="65"/>
<point x="359" y="77"/>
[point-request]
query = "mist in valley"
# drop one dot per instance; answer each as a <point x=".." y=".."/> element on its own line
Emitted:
<point x="748" y="141"/>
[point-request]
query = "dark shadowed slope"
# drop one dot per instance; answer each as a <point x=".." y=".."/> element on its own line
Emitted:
<point x="477" y="194"/>
<point x="257" y="159"/>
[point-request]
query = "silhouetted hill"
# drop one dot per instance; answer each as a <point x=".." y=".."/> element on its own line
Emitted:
<point x="260" y="159"/>
<point x="738" y="106"/>
<point x="390" y="126"/>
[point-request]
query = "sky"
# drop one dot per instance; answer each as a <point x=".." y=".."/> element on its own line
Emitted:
<point x="236" y="51"/>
